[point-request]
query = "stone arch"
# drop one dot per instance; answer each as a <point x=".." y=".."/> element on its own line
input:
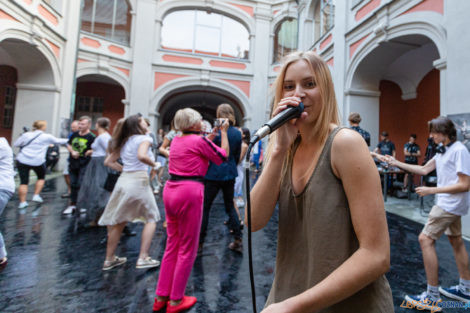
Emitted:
<point x="399" y="27"/>
<point x="39" y="78"/>
<point x="190" y="83"/>
<point x="403" y="52"/>
<point x="26" y="38"/>
<point x="99" y="95"/>
<point x="92" y="68"/>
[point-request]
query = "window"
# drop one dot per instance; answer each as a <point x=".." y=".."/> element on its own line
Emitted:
<point x="197" y="31"/>
<point x="110" y="19"/>
<point x="9" y="108"/>
<point x="324" y="17"/>
<point x="285" y="39"/>
<point x="90" y="106"/>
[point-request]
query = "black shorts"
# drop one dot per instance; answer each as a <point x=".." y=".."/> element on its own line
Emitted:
<point x="23" y="171"/>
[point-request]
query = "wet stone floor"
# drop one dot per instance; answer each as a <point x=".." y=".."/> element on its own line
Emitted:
<point x="53" y="268"/>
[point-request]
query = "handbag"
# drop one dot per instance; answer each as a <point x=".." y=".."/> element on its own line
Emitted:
<point x="110" y="181"/>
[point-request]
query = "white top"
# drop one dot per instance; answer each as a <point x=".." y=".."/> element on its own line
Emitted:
<point x="455" y="160"/>
<point x="34" y="154"/>
<point x="129" y="153"/>
<point x="100" y="144"/>
<point x="7" y="174"/>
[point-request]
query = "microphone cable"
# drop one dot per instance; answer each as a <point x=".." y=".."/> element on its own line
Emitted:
<point x="273" y="124"/>
<point x="246" y="165"/>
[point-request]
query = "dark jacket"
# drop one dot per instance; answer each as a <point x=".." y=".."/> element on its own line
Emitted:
<point x="228" y="169"/>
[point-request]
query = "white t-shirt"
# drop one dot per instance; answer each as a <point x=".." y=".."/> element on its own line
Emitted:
<point x="129" y="153"/>
<point x="100" y="144"/>
<point x="455" y="160"/>
<point x="34" y="154"/>
<point x="7" y="173"/>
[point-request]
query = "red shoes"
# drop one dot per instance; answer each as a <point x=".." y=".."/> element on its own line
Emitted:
<point x="158" y="305"/>
<point x="185" y="304"/>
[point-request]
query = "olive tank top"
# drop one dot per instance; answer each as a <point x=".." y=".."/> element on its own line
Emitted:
<point x="316" y="236"/>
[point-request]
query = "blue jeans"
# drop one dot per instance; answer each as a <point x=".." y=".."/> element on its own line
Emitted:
<point x="4" y="197"/>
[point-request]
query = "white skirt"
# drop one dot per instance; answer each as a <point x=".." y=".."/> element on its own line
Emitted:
<point x="132" y="200"/>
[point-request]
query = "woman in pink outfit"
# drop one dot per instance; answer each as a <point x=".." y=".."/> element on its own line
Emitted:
<point x="183" y="199"/>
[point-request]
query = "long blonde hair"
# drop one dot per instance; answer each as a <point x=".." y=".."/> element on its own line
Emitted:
<point x="329" y="108"/>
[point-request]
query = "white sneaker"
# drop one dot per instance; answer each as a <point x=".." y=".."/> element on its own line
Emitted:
<point x="148" y="262"/>
<point x="23" y="205"/>
<point x="38" y="199"/>
<point x="69" y="210"/>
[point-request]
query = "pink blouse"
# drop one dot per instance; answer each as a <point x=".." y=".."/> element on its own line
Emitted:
<point x="190" y="155"/>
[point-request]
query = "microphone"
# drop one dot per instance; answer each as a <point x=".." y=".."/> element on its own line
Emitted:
<point x="290" y="113"/>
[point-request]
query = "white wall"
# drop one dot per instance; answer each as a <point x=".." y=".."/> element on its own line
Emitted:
<point x="33" y="105"/>
<point x="368" y="107"/>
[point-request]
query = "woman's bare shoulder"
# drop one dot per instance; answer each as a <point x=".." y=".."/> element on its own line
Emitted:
<point x="347" y="138"/>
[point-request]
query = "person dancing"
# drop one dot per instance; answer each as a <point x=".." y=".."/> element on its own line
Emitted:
<point x="132" y="198"/>
<point x="183" y="198"/>
<point x="32" y="156"/>
<point x="333" y="244"/>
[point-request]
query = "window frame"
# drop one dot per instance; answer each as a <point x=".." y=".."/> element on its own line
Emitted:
<point x="113" y="24"/>
<point x="276" y="31"/>
<point x="9" y="107"/>
<point x="93" y="101"/>
<point x="220" y="53"/>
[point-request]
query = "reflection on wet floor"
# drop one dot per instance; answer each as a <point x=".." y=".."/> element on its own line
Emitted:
<point x="54" y="269"/>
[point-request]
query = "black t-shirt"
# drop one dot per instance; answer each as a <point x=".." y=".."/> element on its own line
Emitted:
<point x="411" y="148"/>
<point x="386" y="147"/>
<point x="364" y="133"/>
<point x="81" y="144"/>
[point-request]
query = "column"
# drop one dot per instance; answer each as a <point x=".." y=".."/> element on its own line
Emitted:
<point x="141" y="75"/>
<point x="261" y="49"/>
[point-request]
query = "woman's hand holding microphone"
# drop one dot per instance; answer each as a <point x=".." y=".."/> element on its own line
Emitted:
<point x="287" y="133"/>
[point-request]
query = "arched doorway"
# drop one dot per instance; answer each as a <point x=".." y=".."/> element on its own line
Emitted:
<point x="99" y="96"/>
<point x="28" y="88"/>
<point x="396" y="88"/>
<point x="203" y="99"/>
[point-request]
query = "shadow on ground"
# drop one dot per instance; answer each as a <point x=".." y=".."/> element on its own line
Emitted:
<point x="54" y="269"/>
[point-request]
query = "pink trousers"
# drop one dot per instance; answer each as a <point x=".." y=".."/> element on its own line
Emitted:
<point x="183" y="208"/>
